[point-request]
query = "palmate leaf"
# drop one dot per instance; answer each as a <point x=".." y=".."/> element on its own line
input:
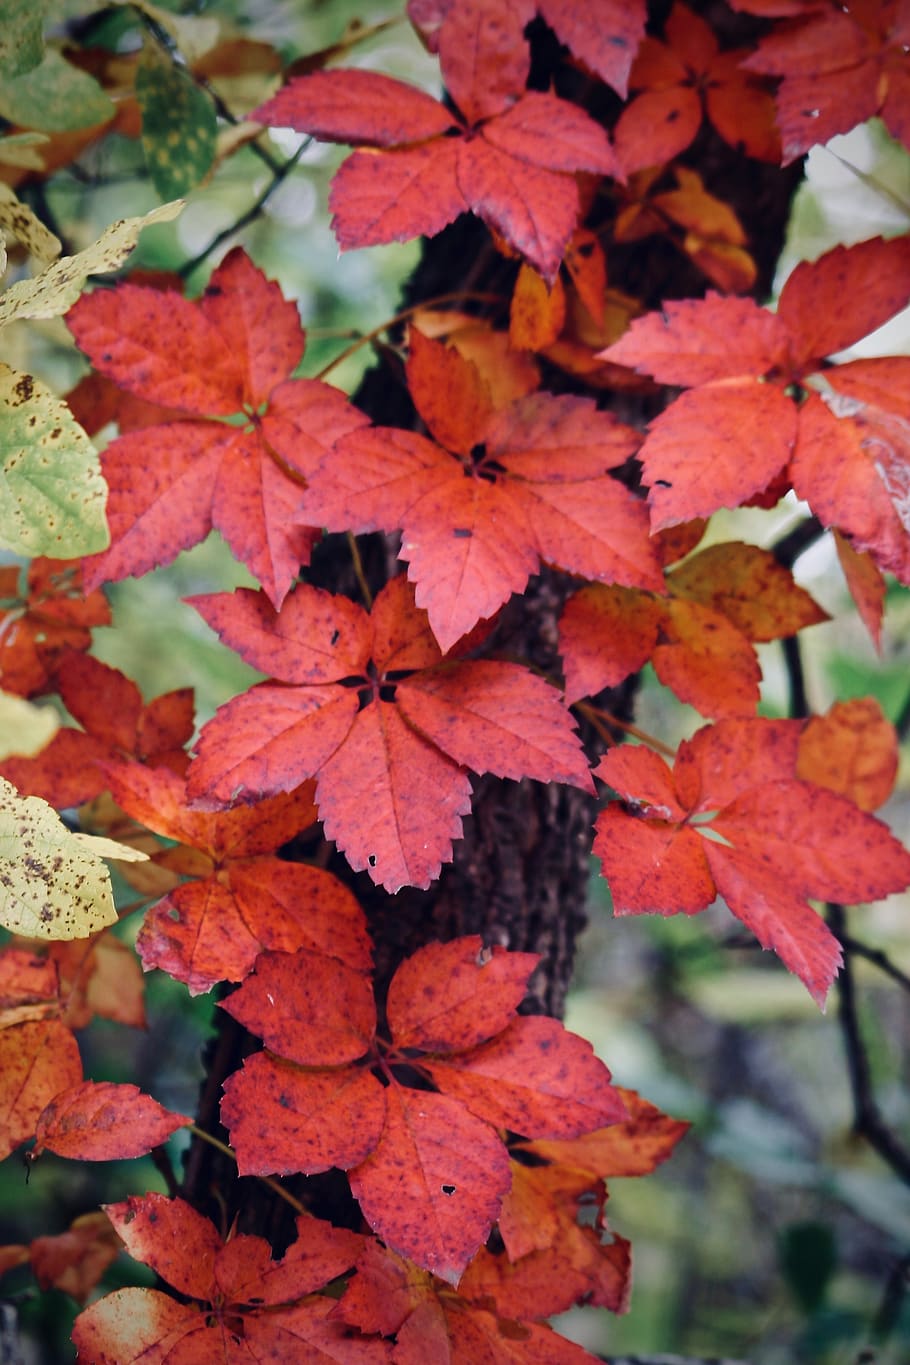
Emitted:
<point x="772" y="842"/>
<point x="736" y="430"/>
<point x="429" y="1169"/>
<point x="227" y="354"/>
<point x="475" y="526"/>
<point x="514" y="169"/>
<point x="444" y="718"/>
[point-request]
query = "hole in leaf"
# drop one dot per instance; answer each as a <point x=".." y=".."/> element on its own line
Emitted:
<point x="448" y="1189"/>
<point x="372" y="860"/>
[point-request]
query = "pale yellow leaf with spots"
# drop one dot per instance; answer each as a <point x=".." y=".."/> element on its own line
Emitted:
<point x="52" y="494"/>
<point x="22" y="223"/>
<point x="54" y="292"/>
<point x="24" y="727"/>
<point x="53" y="884"/>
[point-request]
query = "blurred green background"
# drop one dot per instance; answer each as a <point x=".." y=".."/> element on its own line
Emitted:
<point x="773" y="1234"/>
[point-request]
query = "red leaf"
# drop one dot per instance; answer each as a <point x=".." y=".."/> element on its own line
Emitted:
<point x="781" y="841"/>
<point x="484" y="56"/>
<point x="449" y="996"/>
<point x="284" y="1002"/>
<point x="170" y="1236"/>
<point x="219" y="356"/>
<point x="435" y="1184"/>
<point x="607" y="47"/>
<point x="534" y="1078"/>
<point x="100" y="1121"/>
<point x="49" y="619"/>
<point x="867" y="586"/>
<point x="362" y="107"/>
<point x="317" y="637"/>
<point x="606" y="633"/>
<point x="873" y="276"/>
<point x="400" y="842"/>
<point x="396" y="195"/>
<point x="715" y="447"/>
<point x="497" y="717"/>
<point x="283" y="1119"/>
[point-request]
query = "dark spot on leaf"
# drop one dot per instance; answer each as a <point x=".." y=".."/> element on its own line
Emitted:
<point x="335" y="635"/>
<point x="462" y="533"/>
<point x="662" y="483"/>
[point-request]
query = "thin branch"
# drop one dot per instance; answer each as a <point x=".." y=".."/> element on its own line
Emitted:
<point x="251" y="214"/>
<point x="793" y="664"/>
<point x="867" y="1117"/>
<point x="897" y="1288"/>
<point x="790" y="546"/>
<point x="877" y="957"/>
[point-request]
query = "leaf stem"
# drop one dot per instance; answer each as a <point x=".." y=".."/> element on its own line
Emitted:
<point x="358" y="571"/>
<point x="273" y="1184"/>
<point x="405" y="313"/>
<point x="600" y="719"/>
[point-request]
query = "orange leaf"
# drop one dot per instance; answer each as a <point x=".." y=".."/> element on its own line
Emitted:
<point x="38" y="1059"/>
<point x="851" y="750"/>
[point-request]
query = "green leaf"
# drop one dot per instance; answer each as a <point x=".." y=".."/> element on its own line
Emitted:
<point x="21" y="40"/>
<point x="54" y="96"/>
<point x="50" y="294"/>
<point x="808" y="1259"/>
<point x="178" y="125"/>
<point x="52" y="494"/>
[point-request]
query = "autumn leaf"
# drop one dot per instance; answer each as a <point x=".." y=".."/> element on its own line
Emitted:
<point x="721" y="599"/>
<point x="733" y="819"/>
<point x="38" y="1059"/>
<point x="115" y="721"/>
<point x="43" y="621"/>
<point x="101" y="1121"/>
<point x="681" y="80"/>
<point x="735" y="428"/>
<point x="428" y="1167"/>
<point x="53" y="883"/>
<point x="503" y="491"/>
<point x="512" y="161"/>
<point x="228" y="355"/>
<point x="838" y="67"/>
<point x="443" y="717"/>
<point x="606" y="49"/>
<point x="228" y="1288"/>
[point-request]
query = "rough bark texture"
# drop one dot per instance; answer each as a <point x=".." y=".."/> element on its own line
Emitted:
<point x="519" y="875"/>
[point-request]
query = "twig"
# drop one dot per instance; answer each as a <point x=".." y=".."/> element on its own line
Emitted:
<point x="897" y="1288"/>
<point x="867" y="1117"/>
<point x="877" y="957"/>
<point x="790" y="546"/>
<point x="405" y="313"/>
<point x="251" y="214"/>
<point x="793" y="663"/>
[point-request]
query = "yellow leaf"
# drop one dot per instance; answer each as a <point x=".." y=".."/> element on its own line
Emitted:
<point x="53" y="884"/>
<point x="54" y="292"/>
<point x="24" y="727"/>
